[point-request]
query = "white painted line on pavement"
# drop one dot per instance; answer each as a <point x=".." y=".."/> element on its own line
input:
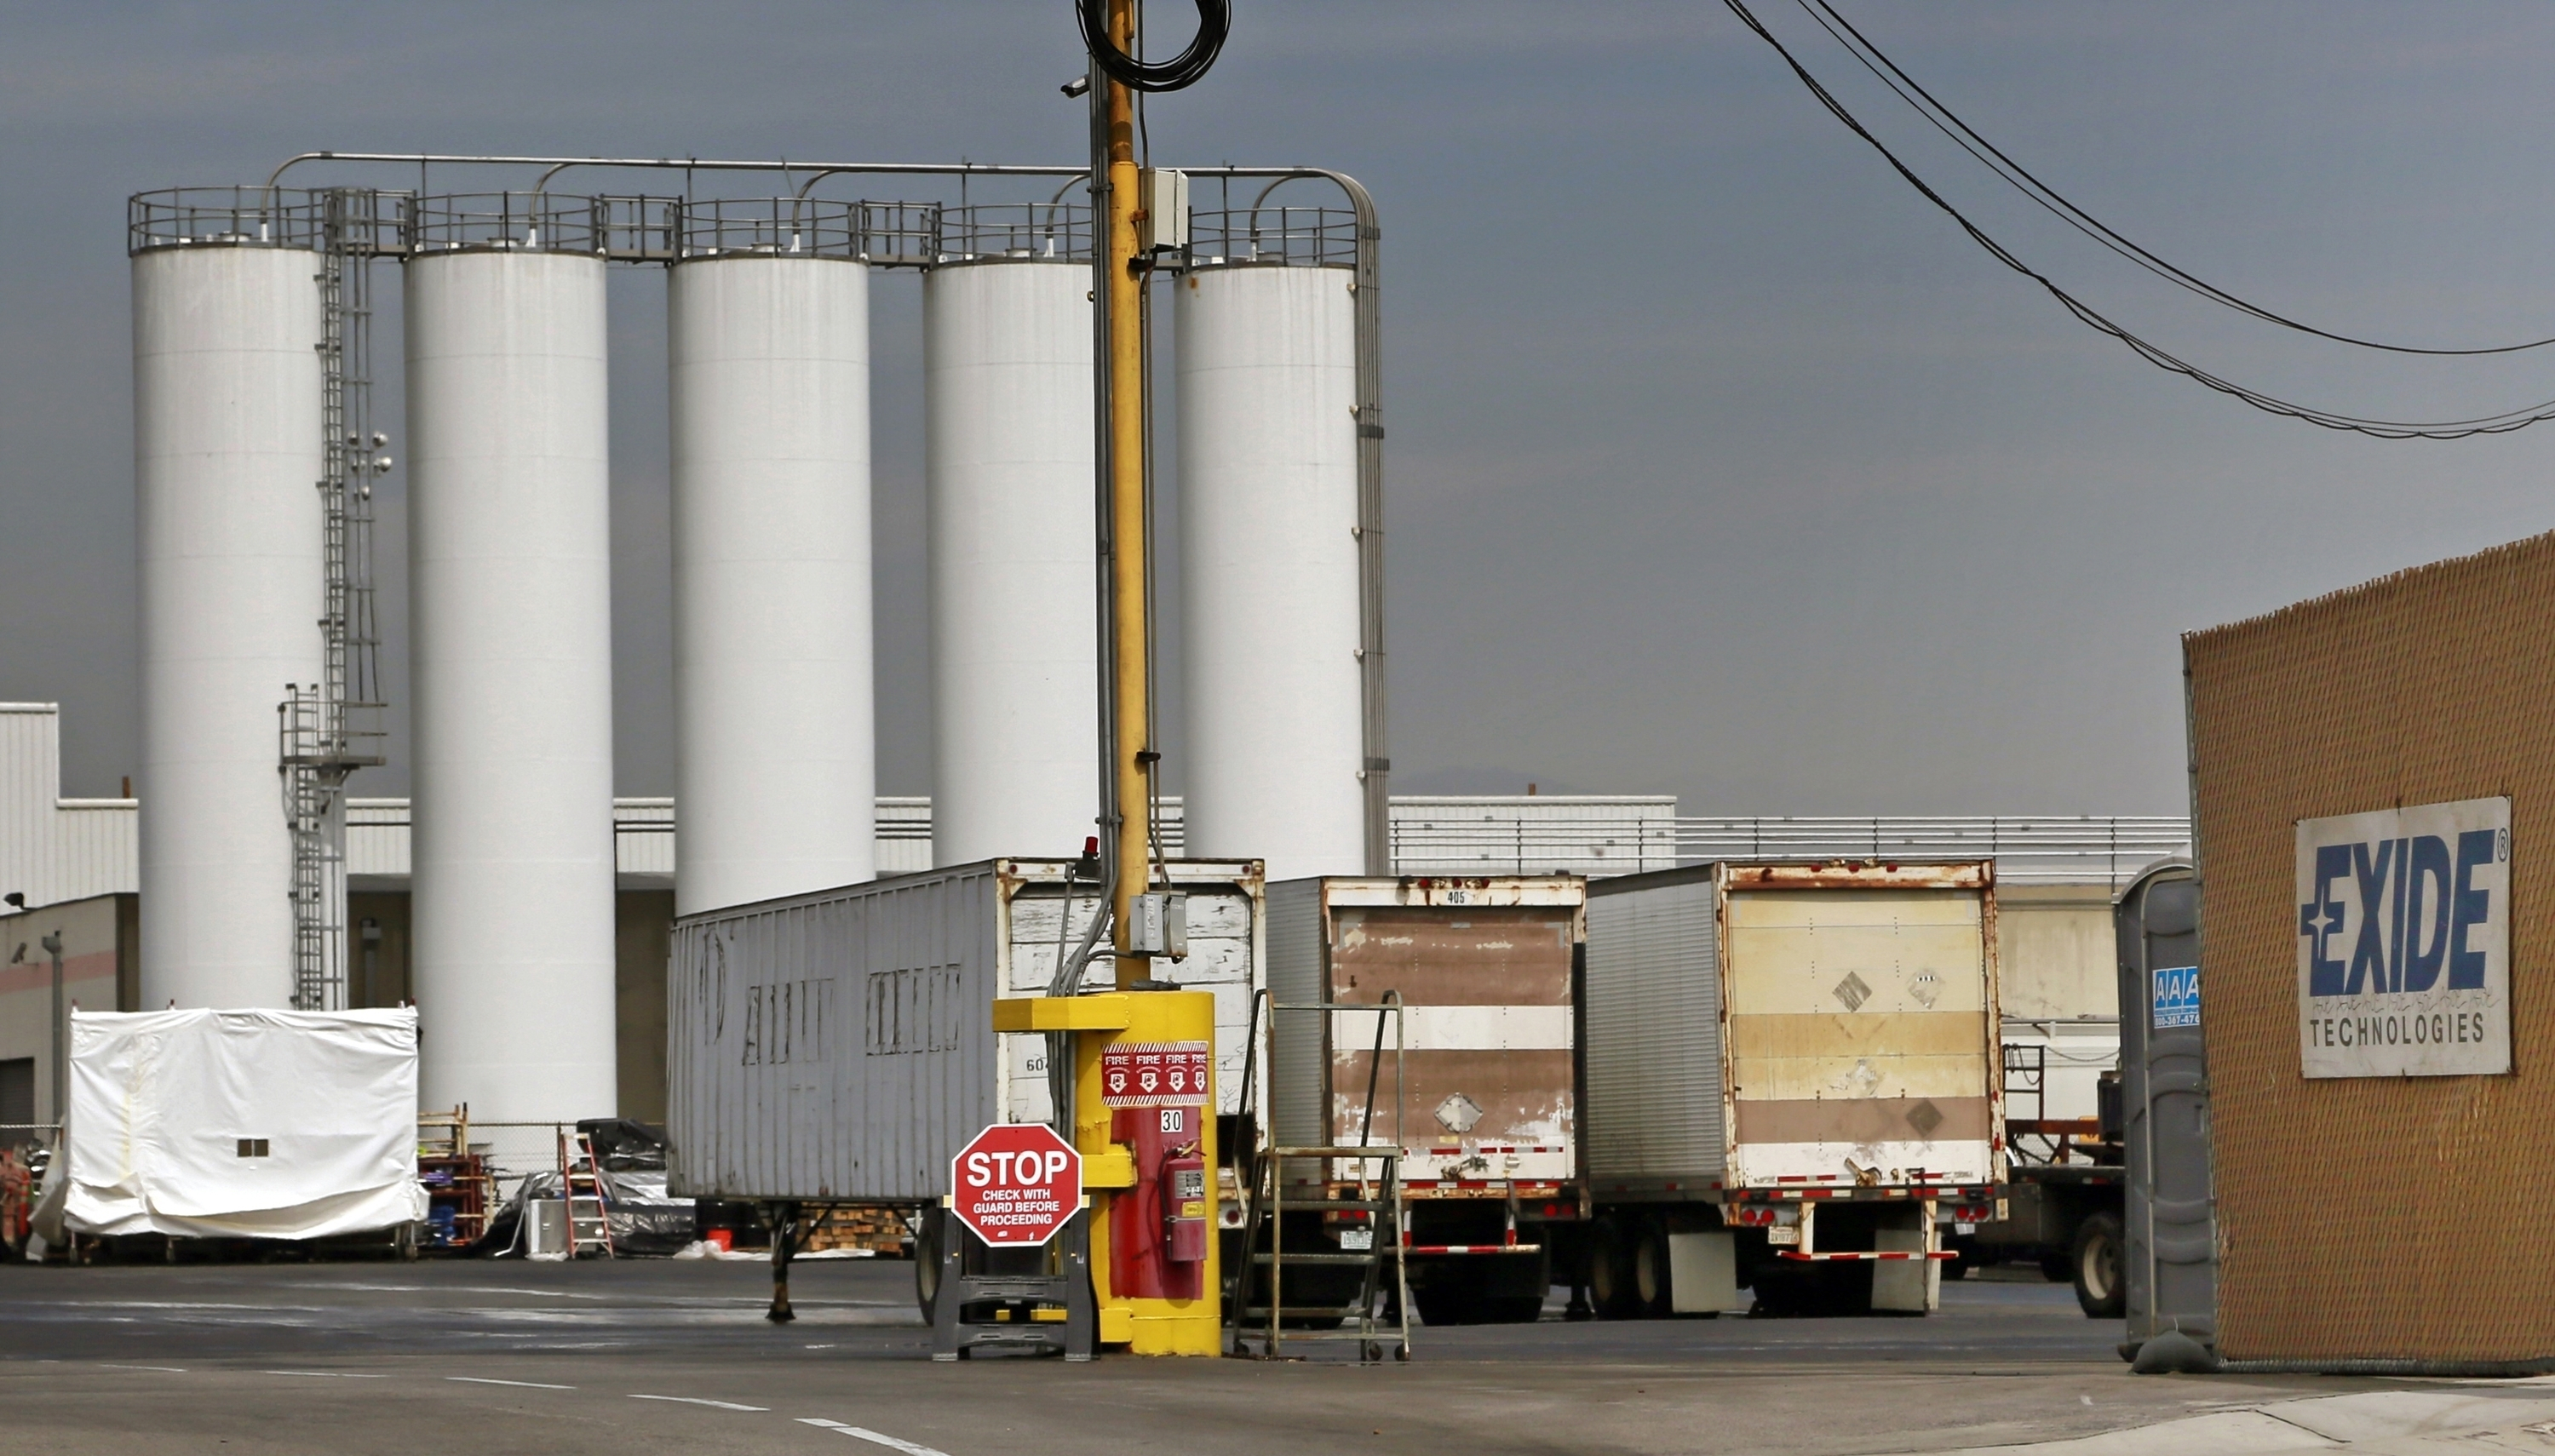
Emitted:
<point x="163" y="1369"/>
<point x="335" y="1374"/>
<point x="697" y="1401"/>
<point x="481" y="1379"/>
<point x="908" y="1447"/>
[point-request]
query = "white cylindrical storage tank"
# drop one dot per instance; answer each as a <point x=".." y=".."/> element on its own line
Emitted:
<point x="510" y="585"/>
<point x="768" y="363"/>
<point x="227" y="459"/>
<point x="1015" y="645"/>
<point x="1269" y="566"/>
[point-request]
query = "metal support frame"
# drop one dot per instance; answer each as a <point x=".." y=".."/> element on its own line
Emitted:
<point x="1014" y="1300"/>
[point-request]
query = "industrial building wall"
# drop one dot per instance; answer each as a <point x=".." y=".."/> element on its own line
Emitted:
<point x="30" y="770"/>
<point x="2383" y="1216"/>
<point x="100" y="959"/>
<point x="643" y="935"/>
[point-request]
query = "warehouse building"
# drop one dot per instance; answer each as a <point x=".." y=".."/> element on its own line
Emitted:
<point x="76" y="862"/>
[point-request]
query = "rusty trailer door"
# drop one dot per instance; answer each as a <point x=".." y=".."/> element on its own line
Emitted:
<point x="1483" y="968"/>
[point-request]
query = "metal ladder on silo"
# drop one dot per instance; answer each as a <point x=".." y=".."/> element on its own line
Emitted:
<point x="1378" y="1201"/>
<point x="331" y="728"/>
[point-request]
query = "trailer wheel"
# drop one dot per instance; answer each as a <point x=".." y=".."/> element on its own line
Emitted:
<point x="2100" y="1290"/>
<point x="1610" y="1271"/>
<point x="1517" y="1292"/>
<point x="1650" y="1285"/>
<point x="927" y="1235"/>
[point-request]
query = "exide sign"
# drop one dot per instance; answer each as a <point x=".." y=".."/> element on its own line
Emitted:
<point x="2404" y="942"/>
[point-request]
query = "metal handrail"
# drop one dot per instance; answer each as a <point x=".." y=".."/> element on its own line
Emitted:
<point x="237" y="216"/>
<point x="1303" y="237"/>
<point x="1052" y="231"/>
<point x="1373" y="1189"/>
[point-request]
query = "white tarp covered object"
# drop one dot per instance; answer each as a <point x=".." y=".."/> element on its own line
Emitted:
<point x="243" y="1124"/>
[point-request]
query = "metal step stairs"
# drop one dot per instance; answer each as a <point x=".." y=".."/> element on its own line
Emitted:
<point x="1379" y="1314"/>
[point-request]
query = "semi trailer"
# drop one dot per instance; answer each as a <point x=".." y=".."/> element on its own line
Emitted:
<point x="1792" y="1081"/>
<point x="837" y="1048"/>
<point x="1432" y="1014"/>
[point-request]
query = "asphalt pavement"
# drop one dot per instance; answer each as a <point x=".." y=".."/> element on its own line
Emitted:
<point x="645" y="1356"/>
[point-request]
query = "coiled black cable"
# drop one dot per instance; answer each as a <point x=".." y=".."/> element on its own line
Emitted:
<point x="1215" y="22"/>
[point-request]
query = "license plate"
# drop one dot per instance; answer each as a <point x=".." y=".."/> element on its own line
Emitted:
<point x="1357" y="1240"/>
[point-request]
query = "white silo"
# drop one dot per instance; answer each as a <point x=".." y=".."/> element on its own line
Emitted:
<point x="1015" y="658"/>
<point x="227" y="459"/>
<point x="1268" y="566"/>
<point x="510" y="665"/>
<point x="768" y="364"/>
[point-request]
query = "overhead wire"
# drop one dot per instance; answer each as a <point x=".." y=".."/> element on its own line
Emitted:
<point x="1970" y="140"/>
<point x="2496" y="424"/>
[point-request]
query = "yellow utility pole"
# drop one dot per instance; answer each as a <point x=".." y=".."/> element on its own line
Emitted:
<point x="1130" y="630"/>
<point x="1143" y="1057"/>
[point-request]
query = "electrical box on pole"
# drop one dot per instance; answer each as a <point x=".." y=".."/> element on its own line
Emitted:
<point x="1162" y="211"/>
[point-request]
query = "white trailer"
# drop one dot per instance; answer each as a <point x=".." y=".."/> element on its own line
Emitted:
<point x="1790" y="1069"/>
<point x="837" y="1048"/>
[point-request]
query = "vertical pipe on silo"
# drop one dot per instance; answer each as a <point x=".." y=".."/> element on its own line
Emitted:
<point x="226" y="408"/>
<point x="1269" y="566"/>
<point x="774" y="761"/>
<point x="1014" y="663"/>
<point x="510" y="675"/>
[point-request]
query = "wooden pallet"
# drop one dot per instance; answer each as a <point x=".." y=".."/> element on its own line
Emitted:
<point x="879" y="1231"/>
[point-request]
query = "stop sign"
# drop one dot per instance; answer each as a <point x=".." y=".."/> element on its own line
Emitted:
<point x="1016" y="1183"/>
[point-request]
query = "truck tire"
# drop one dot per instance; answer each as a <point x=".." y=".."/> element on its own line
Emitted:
<point x="2100" y="1290"/>
<point x="927" y="1235"/>
<point x="1610" y="1271"/>
<point x="1526" y="1282"/>
<point x="1651" y="1291"/>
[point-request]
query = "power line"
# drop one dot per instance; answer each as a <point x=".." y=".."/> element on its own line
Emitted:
<point x="1949" y="123"/>
<point x="2497" y="423"/>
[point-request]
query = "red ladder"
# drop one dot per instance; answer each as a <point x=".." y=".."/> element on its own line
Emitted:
<point x="577" y="1167"/>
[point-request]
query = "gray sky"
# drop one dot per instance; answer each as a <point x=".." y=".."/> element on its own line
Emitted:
<point x="1720" y="463"/>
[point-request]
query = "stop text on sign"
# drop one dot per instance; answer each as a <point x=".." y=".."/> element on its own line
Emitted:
<point x="993" y="1170"/>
